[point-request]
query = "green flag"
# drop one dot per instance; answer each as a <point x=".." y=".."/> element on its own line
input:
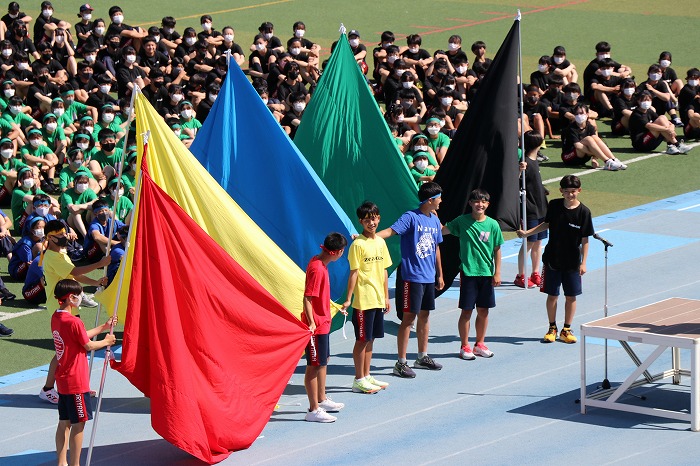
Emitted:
<point x="344" y="137"/>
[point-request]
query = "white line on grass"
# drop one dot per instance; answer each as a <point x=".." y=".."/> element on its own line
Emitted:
<point x="12" y="315"/>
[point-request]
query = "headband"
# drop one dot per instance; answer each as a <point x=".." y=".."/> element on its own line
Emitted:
<point x="433" y="197"/>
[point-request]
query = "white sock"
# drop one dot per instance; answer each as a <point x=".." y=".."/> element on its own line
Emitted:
<point x="420" y="355"/>
<point x="403" y="360"/>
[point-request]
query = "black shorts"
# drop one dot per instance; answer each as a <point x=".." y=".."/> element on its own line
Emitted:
<point x="414" y="297"/>
<point x="569" y="280"/>
<point x="476" y="292"/>
<point x="75" y="408"/>
<point x="369" y="324"/>
<point x="647" y="142"/>
<point x="532" y="223"/>
<point x="691" y="133"/>
<point x="318" y="354"/>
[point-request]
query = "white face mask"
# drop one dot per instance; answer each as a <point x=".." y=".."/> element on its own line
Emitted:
<point x="450" y="87"/>
<point x="407" y="84"/>
<point x="415" y="49"/>
<point x="268" y="35"/>
<point x="76" y="301"/>
<point x="453" y="46"/>
<point x="420" y="148"/>
<point x="39" y="232"/>
<point x="295" y="51"/>
<point x="542" y="68"/>
<point x="628" y="91"/>
<point x="655" y="76"/>
<point x="108" y="117"/>
<point x="46" y="13"/>
<point x="606" y="72"/>
<point x="212" y="97"/>
<point x="446" y="101"/>
<point x="168" y="30"/>
<point x="130" y="59"/>
<point x="265" y="101"/>
<point x="35" y="142"/>
<point x="177" y="97"/>
<point x="9" y="93"/>
<point x="157" y="39"/>
<point x="581" y="117"/>
<point x="117" y="19"/>
<point x="391" y="58"/>
<point x="89" y="129"/>
<point x="299" y="106"/>
<point x="82" y="145"/>
<point x="228" y="37"/>
<point x="6" y="52"/>
<point x="105" y="88"/>
<point x="260" y="47"/>
<point x="99" y="30"/>
<point x="43" y="211"/>
<point x="693" y="82"/>
<point x="399" y="72"/>
<point x="299" y="33"/>
<point x="114" y="193"/>
<point x="461" y="69"/>
<point x="60" y="39"/>
<point x="28" y="183"/>
<point x="15" y="110"/>
<point x="177" y="132"/>
<point x="186" y="113"/>
<point x="81" y="187"/>
<point x="90" y="58"/>
<point x="421" y="165"/>
<point x="603" y="55"/>
<point x="665" y="63"/>
<point x="433" y="130"/>
<point x="87" y="16"/>
<point x="6" y="153"/>
<point x="190" y="40"/>
<point x="51" y="127"/>
<point x="23" y="65"/>
<point x="206" y="26"/>
<point x="58" y="112"/>
<point x="572" y="96"/>
<point x="645" y="104"/>
<point x="76" y="164"/>
<point x="558" y="60"/>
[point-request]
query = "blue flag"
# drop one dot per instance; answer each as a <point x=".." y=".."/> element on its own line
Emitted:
<point x="244" y="148"/>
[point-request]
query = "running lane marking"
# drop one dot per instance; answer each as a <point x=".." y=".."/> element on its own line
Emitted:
<point x="212" y="13"/>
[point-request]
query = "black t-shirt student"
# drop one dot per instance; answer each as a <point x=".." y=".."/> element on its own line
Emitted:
<point x="686" y="99"/>
<point x="126" y="75"/>
<point x="9" y="20"/>
<point x="48" y="89"/>
<point x="540" y="79"/>
<point x="287" y="121"/>
<point x="421" y="54"/>
<point x="78" y="83"/>
<point x="456" y="56"/>
<point x="158" y="96"/>
<point x="157" y="61"/>
<point x="621" y="103"/>
<point x="610" y="81"/>
<point x="530" y="109"/>
<point x="638" y="125"/>
<point x="590" y="73"/>
<point x="98" y="98"/>
<point x="536" y="198"/>
<point x="391" y="87"/>
<point x="284" y="89"/>
<point x="53" y="65"/>
<point x="264" y="59"/>
<point x="661" y="106"/>
<point x="573" y="134"/>
<point x="23" y="45"/>
<point x="39" y="23"/>
<point x="235" y="48"/>
<point x="567" y="227"/>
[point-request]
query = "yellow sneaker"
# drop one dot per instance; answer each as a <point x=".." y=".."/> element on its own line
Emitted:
<point x="567" y="336"/>
<point x="551" y="335"/>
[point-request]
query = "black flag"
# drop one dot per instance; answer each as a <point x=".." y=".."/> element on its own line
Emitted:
<point x="484" y="152"/>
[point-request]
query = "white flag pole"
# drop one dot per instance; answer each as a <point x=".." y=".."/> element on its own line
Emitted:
<point x="523" y="191"/>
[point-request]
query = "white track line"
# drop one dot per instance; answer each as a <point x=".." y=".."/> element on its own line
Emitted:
<point x="12" y="315"/>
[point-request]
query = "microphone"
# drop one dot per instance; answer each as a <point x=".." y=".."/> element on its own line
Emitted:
<point x="607" y="243"/>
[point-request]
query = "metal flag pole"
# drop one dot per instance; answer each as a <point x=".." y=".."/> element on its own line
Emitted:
<point x="116" y="203"/>
<point x="115" y="310"/>
<point x="523" y="190"/>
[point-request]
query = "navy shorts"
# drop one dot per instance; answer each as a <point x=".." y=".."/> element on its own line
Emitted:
<point x="318" y="354"/>
<point x="476" y="292"/>
<point x="414" y="297"/>
<point x="570" y="281"/>
<point x="532" y="223"/>
<point x="75" y="408"/>
<point x="647" y="142"/>
<point x="369" y="324"/>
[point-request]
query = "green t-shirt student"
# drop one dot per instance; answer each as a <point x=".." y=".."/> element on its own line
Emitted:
<point x="79" y="194"/>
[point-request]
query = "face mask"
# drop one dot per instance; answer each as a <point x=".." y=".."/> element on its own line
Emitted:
<point x="212" y="97"/>
<point x="102" y="217"/>
<point x="42" y="211"/>
<point x="87" y="16"/>
<point x="580" y="118"/>
<point x="532" y="99"/>
<point x="190" y="40"/>
<point x="446" y="101"/>
<point x="628" y="91"/>
<point x="60" y="39"/>
<point x="421" y="165"/>
<point x="461" y="69"/>
<point x="130" y="58"/>
<point x="9" y="93"/>
<point x="51" y="127"/>
<point x="81" y="187"/>
<point x="299" y="33"/>
<point x="108" y="146"/>
<point x="15" y="110"/>
<point x="295" y="51"/>
<point x="43" y="78"/>
<point x="267" y="35"/>
<point x="228" y="37"/>
<point x="89" y="129"/>
<point x="105" y="89"/>
<point x="406" y="104"/>
<point x="117" y="19"/>
<point x="108" y="117"/>
<point x="58" y="112"/>
<point x="433" y="130"/>
<point x="22" y="32"/>
<point x="82" y="145"/>
<point x="114" y="193"/>
<point x="62" y="242"/>
<point x="441" y="73"/>
<point x="572" y="96"/>
<point x="414" y="49"/>
<point x="450" y="87"/>
<point x="6" y="153"/>
<point x="693" y="82"/>
<point x="35" y="142"/>
<point x="46" y="13"/>
<point x="606" y="72"/>
<point x="39" y="233"/>
<point x="420" y="148"/>
<point x="407" y="84"/>
<point x="391" y="58"/>
<point x="399" y="72"/>
<point x="177" y="97"/>
<point x="23" y="66"/>
<point x="206" y="26"/>
<point x="90" y="58"/>
<point x="6" y="52"/>
<point x="542" y="68"/>
<point x="388" y="44"/>
<point x="558" y="60"/>
<point x="265" y="101"/>
<point x="452" y="46"/>
<point x="99" y="31"/>
<point x="299" y="106"/>
<point x="177" y="132"/>
<point x="655" y="76"/>
<point x="76" y="164"/>
<point x="75" y="301"/>
<point x="260" y="47"/>
<point x="168" y="31"/>
<point x="187" y="113"/>
<point x="354" y="42"/>
<point x="28" y="183"/>
<point x="645" y="104"/>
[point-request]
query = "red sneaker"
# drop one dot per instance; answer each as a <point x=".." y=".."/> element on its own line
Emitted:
<point x="520" y="282"/>
<point x="536" y="279"/>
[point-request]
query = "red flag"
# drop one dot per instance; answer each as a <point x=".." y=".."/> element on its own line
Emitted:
<point x="203" y="340"/>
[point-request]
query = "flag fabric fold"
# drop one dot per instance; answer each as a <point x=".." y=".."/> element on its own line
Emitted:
<point x="243" y="147"/>
<point x="210" y="347"/>
<point x="484" y="152"/>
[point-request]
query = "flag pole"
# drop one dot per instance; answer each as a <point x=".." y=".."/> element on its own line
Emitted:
<point x="120" y="285"/>
<point x="116" y="201"/>
<point x="523" y="191"/>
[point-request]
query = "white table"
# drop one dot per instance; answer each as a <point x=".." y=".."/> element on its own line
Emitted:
<point x="670" y="324"/>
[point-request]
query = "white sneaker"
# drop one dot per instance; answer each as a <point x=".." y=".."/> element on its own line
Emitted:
<point x="88" y="301"/>
<point x="683" y="148"/>
<point x="611" y="165"/>
<point x="622" y="165"/>
<point x="481" y="350"/>
<point x="377" y="383"/>
<point x="330" y="405"/>
<point x="364" y="386"/>
<point x="466" y="353"/>
<point x="320" y="415"/>
<point x="51" y="396"/>
<point x="673" y="150"/>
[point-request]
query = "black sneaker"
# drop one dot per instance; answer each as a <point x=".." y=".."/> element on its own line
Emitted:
<point x="426" y="362"/>
<point x="541" y="157"/>
<point x="7" y="294"/>
<point x="6" y="332"/>
<point x="402" y="370"/>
